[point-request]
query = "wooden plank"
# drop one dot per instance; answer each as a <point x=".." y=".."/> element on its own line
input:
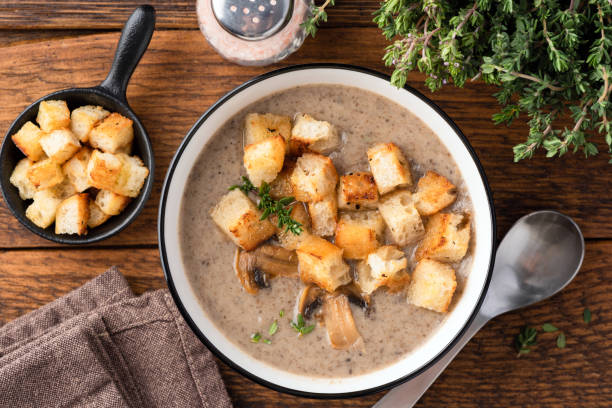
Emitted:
<point x="486" y="373"/>
<point x="180" y="76"/>
<point x="111" y="14"/>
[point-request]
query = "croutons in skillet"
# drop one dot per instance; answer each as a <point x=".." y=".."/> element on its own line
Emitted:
<point x="111" y="203"/>
<point x="389" y="167"/>
<point x="309" y="134"/>
<point x="103" y="170"/>
<point x="45" y="173"/>
<point x="75" y="169"/>
<point x="433" y="285"/>
<point x="357" y="191"/>
<point x="60" y="145"/>
<point x="72" y="215"/>
<point x="447" y="237"/>
<point x="27" y="139"/>
<point x="281" y="186"/>
<point x="132" y="176"/>
<point x="320" y="262"/>
<point x="42" y="211"/>
<point x="358" y="233"/>
<point x="384" y="267"/>
<point x="288" y="239"/>
<point x="112" y="134"/>
<point x="402" y="218"/>
<point x="434" y="192"/>
<point x="53" y="115"/>
<point x="324" y="215"/>
<point x="84" y="118"/>
<point x="19" y="178"/>
<point x="264" y="160"/>
<point x="239" y="218"/>
<point x="96" y="215"/>
<point x="258" y="127"/>
<point x="314" y="177"/>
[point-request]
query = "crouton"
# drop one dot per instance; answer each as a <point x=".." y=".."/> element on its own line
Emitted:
<point x="434" y="192"/>
<point x="63" y="190"/>
<point x="72" y="215"/>
<point x="281" y="186"/>
<point x="399" y="212"/>
<point x="131" y="177"/>
<point x="288" y="239"/>
<point x="433" y="285"/>
<point x="324" y="215"/>
<point x="239" y="218"/>
<point x="84" y="118"/>
<point x="447" y="237"/>
<point x="320" y="262"/>
<point x="60" y="145"/>
<point x="258" y="127"/>
<point x="75" y="169"/>
<point x="264" y="160"/>
<point x="111" y="203"/>
<point x="27" y="139"/>
<point x="112" y="133"/>
<point x="384" y="267"/>
<point x="53" y="115"/>
<point x="42" y="211"/>
<point x="358" y="233"/>
<point x="309" y="134"/>
<point x="103" y="170"/>
<point x="19" y="178"/>
<point x="314" y="177"/>
<point x="45" y="173"/>
<point x="357" y="191"/>
<point x="96" y="215"/>
<point x="389" y="167"/>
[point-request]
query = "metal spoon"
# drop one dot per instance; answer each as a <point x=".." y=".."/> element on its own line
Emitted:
<point x="539" y="256"/>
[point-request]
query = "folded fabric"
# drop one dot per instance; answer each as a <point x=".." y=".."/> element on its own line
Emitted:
<point x="100" y="346"/>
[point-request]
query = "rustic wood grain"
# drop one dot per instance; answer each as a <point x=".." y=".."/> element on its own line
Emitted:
<point x="174" y="14"/>
<point x="180" y="76"/>
<point x="486" y="374"/>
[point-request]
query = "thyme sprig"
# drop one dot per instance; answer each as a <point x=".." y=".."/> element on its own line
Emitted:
<point x="525" y="339"/>
<point x="300" y="325"/>
<point x="269" y="206"/>
<point x="317" y="15"/>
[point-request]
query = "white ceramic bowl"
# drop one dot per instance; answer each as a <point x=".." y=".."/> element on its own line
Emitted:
<point x="186" y="300"/>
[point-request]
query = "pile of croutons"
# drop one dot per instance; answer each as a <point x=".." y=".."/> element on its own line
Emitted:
<point x="78" y="170"/>
<point x="352" y="211"/>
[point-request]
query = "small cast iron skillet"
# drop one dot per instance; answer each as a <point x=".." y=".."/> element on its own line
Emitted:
<point x="110" y="94"/>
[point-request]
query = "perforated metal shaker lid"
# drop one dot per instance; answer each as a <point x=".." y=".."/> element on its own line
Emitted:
<point x="253" y="20"/>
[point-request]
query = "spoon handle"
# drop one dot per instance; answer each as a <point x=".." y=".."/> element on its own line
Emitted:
<point x="407" y="394"/>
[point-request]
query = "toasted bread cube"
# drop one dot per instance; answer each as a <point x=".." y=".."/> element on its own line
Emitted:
<point x="75" y="169"/>
<point x="131" y="177"/>
<point x="314" y="177"/>
<point x="111" y="203"/>
<point x="258" y="127"/>
<point x="19" y="178"/>
<point x="96" y="215"/>
<point x="27" y="139"/>
<point x="281" y="186"/>
<point x="433" y="285"/>
<point x="389" y="167"/>
<point x="239" y="218"/>
<point x="400" y="214"/>
<point x="113" y="133"/>
<point x="72" y="215"/>
<point x="42" y="211"/>
<point x="63" y="190"/>
<point x="84" y="118"/>
<point x="264" y="160"/>
<point x="447" y="237"/>
<point x="60" y="145"/>
<point x="45" y="173"/>
<point x="103" y="170"/>
<point x="288" y="239"/>
<point x="53" y="115"/>
<point x="126" y="149"/>
<point x="434" y="192"/>
<point x="320" y="262"/>
<point x="309" y="134"/>
<point x="357" y="191"/>
<point x="358" y="233"/>
<point x="324" y="215"/>
<point x="384" y="267"/>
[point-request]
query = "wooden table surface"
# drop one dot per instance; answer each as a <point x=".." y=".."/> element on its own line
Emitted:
<point x="46" y="46"/>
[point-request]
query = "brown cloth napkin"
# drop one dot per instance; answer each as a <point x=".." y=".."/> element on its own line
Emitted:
<point x="101" y="346"/>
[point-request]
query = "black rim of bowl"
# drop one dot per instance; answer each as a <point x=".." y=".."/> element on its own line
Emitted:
<point x="202" y="336"/>
<point x="142" y="148"/>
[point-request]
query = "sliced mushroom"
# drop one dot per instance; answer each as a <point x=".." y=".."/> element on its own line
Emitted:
<point x="310" y="300"/>
<point x="356" y="297"/>
<point x="341" y="329"/>
<point x="255" y="268"/>
<point x="244" y="270"/>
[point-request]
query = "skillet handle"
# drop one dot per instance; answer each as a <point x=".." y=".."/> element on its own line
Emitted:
<point x="135" y="38"/>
